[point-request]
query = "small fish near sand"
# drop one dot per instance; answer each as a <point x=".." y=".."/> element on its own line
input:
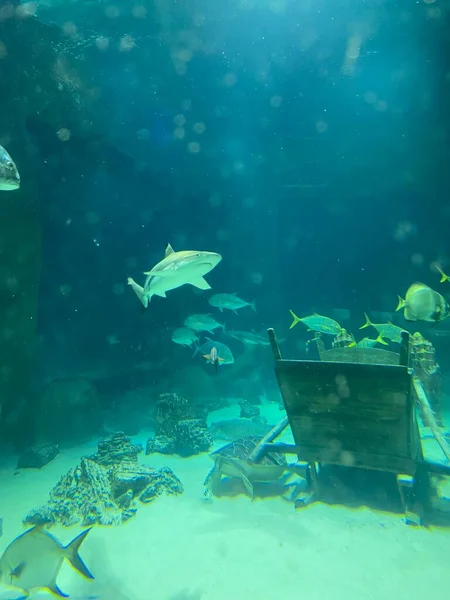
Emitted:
<point x="388" y="331"/>
<point x="202" y="322"/>
<point x="184" y="337"/>
<point x="229" y="302"/>
<point x="9" y="175"/>
<point x="176" y="269"/>
<point x="318" y="323"/>
<point x="421" y="303"/>
<point x="34" y="559"/>
<point x="213" y="358"/>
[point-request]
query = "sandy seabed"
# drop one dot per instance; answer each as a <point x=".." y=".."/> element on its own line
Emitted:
<point x="183" y="548"/>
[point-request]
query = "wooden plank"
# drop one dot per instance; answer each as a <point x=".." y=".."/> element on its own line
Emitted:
<point x="377" y="462"/>
<point x="269" y="437"/>
<point x="352" y="410"/>
<point x="429" y="416"/>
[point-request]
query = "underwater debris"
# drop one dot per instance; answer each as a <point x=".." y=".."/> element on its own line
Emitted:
<point x="37" y="456"/>
<point x="107" y="494"/>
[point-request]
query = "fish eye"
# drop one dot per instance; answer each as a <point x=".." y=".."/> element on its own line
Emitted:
<point x="9" y="164"/>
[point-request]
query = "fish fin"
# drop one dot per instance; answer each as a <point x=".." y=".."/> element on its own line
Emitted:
<point x="197" y="347"/>
<point x="444" y="277"/>
<point x="56" y="591"/>
<point x="252" y="305"/>
<point x="235" y="312"/>
<point x="169" y="250"/>
<point x="161" y="294"/>
<point x="223" y="327"/>
<point x="207" y="356"/>
<point x="380" y="340"/>
<point x="158" y="273"/>
<point x="367" y="323"/>
<point x="71" y="553"/>
<point x="221" y="309"/>
<point x="208" y="338"/>
<point x="17" y="571"/>
<point x="401" y="303"/>
<point x="220" y="359"/>
<point x="296" y="319"/>
<point x="200" y="283"/>
<point x="139" y="291"/>
<point x="352" y="344"/>
<point x="408" y="316"/>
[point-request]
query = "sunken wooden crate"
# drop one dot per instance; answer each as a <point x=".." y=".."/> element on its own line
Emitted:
<point x="349" y="414"/>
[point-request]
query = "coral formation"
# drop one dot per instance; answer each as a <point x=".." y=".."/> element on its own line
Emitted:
<point x="180" y="427"/>
<point x="105" y="488"/>
<point x="37" y="456"/>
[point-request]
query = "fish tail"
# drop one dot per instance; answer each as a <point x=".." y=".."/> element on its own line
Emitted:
<point x="252" y="305"/>
<point x="380" y="340"/>
<point x="71" y="553"/>
<point x="367" y="323"/>
<point x="296" y="319"/>
<point x="139" y="291"/>
<point x="401" y="303"/>
<point x="444" y="277"/>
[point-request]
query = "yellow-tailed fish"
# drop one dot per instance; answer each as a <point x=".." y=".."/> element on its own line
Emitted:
<point x="388" y="330"/>
<point x="318" y="323"/>
<point x="369" y="343"/>
<point x="421" y="303"/>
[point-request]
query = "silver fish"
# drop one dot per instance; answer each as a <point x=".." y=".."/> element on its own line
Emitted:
<point x="9" y="175"/>
<point x="173" y="271"/>
<point x="184" y="336"/>
<point x="202" y="323"/>
<point x="229" y="302"/>
<point x="34" y="559"/>
<point x="248" y="338"/>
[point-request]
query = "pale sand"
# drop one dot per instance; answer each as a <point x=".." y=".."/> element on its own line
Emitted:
<point x="181" y="548"/>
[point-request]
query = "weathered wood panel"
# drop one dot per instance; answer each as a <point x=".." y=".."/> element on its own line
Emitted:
<point x="352" y="414"/>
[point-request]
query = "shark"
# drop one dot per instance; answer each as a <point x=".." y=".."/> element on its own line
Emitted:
<point x="173" y="271"/>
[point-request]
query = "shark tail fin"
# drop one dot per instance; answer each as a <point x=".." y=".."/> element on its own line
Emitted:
<point x="139" y="291"/>
<point x="71" y="553"/>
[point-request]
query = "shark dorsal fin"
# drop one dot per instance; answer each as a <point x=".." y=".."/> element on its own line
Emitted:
<point x="169" y="250"/>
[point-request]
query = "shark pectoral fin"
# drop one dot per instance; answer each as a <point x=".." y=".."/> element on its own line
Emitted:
<point x="200" y="283"/>
<point x="158" y="273"/>
<point x="139" y="291"/>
